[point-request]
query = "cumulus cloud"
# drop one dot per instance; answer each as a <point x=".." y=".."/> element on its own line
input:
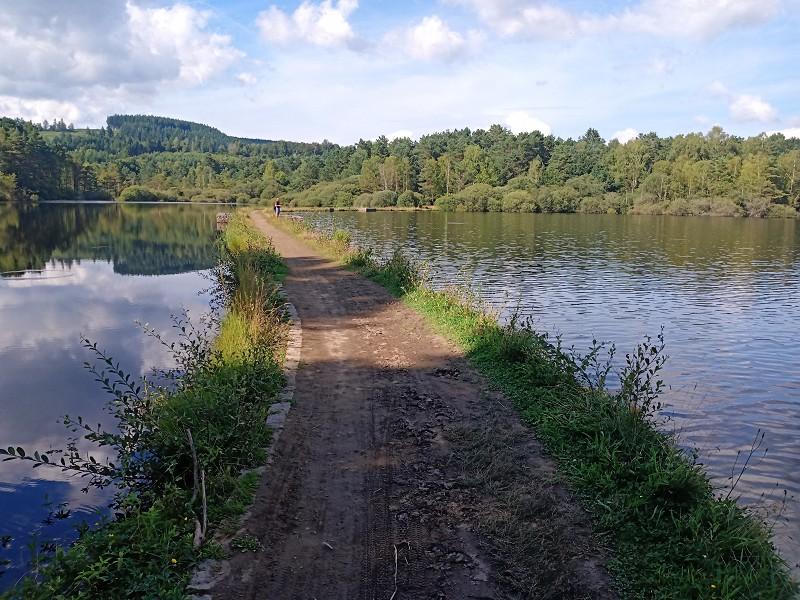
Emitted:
<point x="321" y="24"/>
<point x="429" y="39"/>
<point x="752" y="108"/>
<point x="179" y="33"/>
<point x="520" y="121"/>
<point x="790" y="132"/>
<point x="744" y="107"/>
<point x="625" y="135"/>
<point x="401" y="133"/>
<point x="674" y="18"/>
<point x="63" y="58"/>
<point x="39" y="110"/>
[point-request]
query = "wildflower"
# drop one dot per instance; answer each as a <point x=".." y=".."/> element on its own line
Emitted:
<point x="175" y="562"/>
<point x="713" y="587"/>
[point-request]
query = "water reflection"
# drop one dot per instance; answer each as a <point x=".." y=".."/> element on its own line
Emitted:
<point x="726" y="291"/>
<point x="81" y="272"/>
<point x="137" y="239"/>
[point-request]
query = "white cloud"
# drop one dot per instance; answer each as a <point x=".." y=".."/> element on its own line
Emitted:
<point x="401" y="133"/>
<point x="322" y="24"/>
<point x="520" y="121"/>
<point x="92" y="57"/>
<point x="39" y="110"/>
<point x="671" y="18"/>
<point x="752" y="108"/>
<point x="429" y="39"/>
<point x="625" y="135"/>
<point x="744" y="107"/>
<point x="247" y="78"/>
<point x="178" y="32"/>
<point x="790" y="132"/>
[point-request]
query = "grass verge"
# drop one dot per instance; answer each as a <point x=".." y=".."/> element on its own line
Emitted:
<point x="182" y="451"/>
<point x="672" y="536"/>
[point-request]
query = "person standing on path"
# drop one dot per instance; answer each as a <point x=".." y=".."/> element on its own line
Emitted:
<point x="277" y="208"/>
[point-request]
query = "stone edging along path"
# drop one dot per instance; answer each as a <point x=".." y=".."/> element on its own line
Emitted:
<point x="209" y="572"/>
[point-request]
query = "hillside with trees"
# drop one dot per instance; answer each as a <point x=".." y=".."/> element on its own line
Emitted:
<point x="31" y="168"/>
<point x="154" y="158"/>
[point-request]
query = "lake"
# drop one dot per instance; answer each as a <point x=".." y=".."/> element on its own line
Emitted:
<point x="727" y="292"/>
<point x="72" y="270"/>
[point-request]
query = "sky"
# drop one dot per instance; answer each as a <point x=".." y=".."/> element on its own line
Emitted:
<point x="342" y="70"/>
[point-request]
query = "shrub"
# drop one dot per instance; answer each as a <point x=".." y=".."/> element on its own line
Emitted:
<point x="97" y="195"/>
<point x="724" y="207"/>
<point x="782" y="211"/>
<point x="518" y="201"/>
<point x="8" y="187"/>
<point x="476" y="197"/>
<point x="198" y="426"/>
<point x="554" y="199"/>
<point x="523" y="182"/>
<point x="139" y="193"/>
<point x="757" y="207"/>
<point x="326" y="193"/>
<point x="383" y="199"/>
<point x="363" y="200"/>
<point x="609" y="203"/>
<point x="409" y="199"/>
<point x="447" y="203"/>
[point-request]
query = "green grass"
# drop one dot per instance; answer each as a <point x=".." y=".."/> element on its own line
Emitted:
<point x="222" y="399"/>
<point x="672" y="537"/>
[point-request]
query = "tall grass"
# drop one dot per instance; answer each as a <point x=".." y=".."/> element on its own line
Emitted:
<point x="672" y="536"/>
<point x="180" y="450"/>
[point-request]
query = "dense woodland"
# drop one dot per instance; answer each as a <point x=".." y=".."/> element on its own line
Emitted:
<point x="156" y="159"/>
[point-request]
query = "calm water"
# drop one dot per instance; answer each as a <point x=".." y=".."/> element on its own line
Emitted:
<point x="726" y="290"/>
<point x="81" y="269"/>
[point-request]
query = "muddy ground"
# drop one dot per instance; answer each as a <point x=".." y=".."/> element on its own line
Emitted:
<point x="400" y="474"/>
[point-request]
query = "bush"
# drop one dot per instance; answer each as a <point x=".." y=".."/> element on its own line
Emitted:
<point x="557" y="199"/>
<point x="476" y="197"/>
<point x="8" y="187"/>
<point x="326" y="193"/>
<point x="757" y="207"/>
<point x="98" y="195"/>
<point x="781" y="211"/>
<point x="518" y="201"/>
<point x="447" y="203"/>
<point x="523" y="182"/>
<point x="724" y="207"/>
<point x="139" y="193"/>
<point x="383" y="198"/>
<point x="363" y="200"/>
<point x="610" y="203"/>
<point x="199" y="425"/>
<point x="409" y="199"/>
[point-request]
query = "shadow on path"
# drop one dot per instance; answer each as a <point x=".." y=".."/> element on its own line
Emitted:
<point x="400" y="472"/>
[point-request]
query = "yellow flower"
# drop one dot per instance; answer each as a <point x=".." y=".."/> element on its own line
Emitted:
<point x="713" y="587"/>
<point x="175" y="562"/>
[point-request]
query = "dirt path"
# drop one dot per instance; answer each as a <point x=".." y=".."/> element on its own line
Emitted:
<point x="399" y="474"/>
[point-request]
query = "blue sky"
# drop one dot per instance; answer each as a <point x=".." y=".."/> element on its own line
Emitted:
<point x="349" y="69"/>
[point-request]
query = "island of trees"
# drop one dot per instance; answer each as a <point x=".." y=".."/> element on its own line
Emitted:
<point x="144" y="158"/>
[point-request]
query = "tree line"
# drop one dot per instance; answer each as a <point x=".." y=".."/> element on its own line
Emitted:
<point x="30" y="167"/>
<point x="140" y="157"/>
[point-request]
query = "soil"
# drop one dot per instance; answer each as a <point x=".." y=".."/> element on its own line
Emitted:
<point x="400" y="474"/>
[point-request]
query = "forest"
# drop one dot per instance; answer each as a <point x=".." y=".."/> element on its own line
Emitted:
<point x="144" y="158"/>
